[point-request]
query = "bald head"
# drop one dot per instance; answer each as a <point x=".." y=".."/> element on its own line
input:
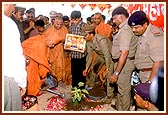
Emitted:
<point x="58" y="19"/>
<point x="98" y="18"/>
<point x="98" y="14"/>
<point x="58" y="23"/>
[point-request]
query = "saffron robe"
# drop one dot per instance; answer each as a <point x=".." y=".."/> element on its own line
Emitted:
<point x="56" y="55"/>
<point x="103" y="29"/>
<point x="35" y="49"/>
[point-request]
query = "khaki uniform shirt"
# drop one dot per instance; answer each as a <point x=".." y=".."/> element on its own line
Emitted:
<point x="150" y="48"/>
<point x="125" y="39"/>
<point x="102" y="46"/>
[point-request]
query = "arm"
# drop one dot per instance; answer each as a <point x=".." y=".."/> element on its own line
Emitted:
<point x="88" y="58"/>
<point x="31" y="25"/>
<point x="155" y="67"/>
<point x="54" y="38"/>
<point x="27" y="29"/>
<point x="105" y="48"/>
<point x="121" y="63"/>
<point x="156" y="54"/>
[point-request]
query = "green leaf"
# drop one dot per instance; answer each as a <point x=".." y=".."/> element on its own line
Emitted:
<point x="73" y="92"/>
<point x="85" y="91"/>
<point x="80" y="84"/>
<point x="77" y="93"/>
<point x="79" y="98"/>
<point x="75" y="96"/>
<point x="73" y="88"/>
<point x="73" y="99"/>
<point x="79" y="90"/>
<point x="76" y="102"/>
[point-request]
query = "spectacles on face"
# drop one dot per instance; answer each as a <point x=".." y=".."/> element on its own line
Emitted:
<point x="30" y="17"/>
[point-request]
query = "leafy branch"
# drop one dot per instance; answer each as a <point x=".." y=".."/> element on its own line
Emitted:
<point x="78" y="94"/>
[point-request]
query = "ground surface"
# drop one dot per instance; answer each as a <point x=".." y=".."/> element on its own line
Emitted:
<point x="82" y="106"/>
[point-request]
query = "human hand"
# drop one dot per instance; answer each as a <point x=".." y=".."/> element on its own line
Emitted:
<point x="85" y="72"/>
<point x="105" y="73"/>
<point x="23" y="90"/>
<point x="49" y="43"/>
<point x="113" y="78"/>
<point x="32" y="24"/>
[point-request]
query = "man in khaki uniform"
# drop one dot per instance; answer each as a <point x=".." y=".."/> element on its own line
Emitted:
<point x="123" y="52"/>
<point x="150" y="50"/>
<point x="102" y="46"/>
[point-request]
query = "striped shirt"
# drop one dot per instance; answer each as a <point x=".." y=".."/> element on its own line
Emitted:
<point x="77" y="31"/>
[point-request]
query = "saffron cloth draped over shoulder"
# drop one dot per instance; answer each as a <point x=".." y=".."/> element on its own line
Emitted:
<point x="35" y="49"/>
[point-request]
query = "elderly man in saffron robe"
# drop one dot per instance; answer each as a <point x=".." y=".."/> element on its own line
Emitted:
<point x="55" y="37"/>
<point x="101" y="27"/>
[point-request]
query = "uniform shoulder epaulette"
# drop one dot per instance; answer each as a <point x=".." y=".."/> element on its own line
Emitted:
<point x="156" y="31"/>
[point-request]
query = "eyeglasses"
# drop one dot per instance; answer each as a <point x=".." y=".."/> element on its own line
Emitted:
<point x="30" y="17"/>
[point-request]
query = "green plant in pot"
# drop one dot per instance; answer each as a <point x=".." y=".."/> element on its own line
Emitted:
<point x="78" y="94"/>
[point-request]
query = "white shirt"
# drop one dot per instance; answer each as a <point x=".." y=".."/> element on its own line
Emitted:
<point x="13" y="60"/>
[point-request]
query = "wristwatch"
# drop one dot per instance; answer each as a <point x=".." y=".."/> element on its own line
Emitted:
<point x="116" y="73"/>
<point x="107" y="69"/>
<point x="149" y="81"/>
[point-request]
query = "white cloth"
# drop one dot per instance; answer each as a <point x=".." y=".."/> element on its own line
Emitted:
<point x="13" y="61"/>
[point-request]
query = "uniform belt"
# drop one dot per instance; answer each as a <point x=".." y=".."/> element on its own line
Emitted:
<point x="128" y="58"/>
<point x="145" y="69"/>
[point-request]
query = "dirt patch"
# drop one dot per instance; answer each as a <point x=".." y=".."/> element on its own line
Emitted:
<point x="97" y="91"/>
<point x="86" y="105"/>
<point x="81" y="106"/>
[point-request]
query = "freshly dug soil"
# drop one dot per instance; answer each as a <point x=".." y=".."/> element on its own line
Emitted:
<point x="97" y="92"/>
<point x="81" y="106"/>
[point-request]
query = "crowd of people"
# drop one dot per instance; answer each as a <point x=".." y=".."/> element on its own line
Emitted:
<point x="114" y="50"/>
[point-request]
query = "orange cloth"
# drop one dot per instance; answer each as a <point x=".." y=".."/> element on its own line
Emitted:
<point x="103" y="29"/>
<point x="56" y="55"/>
<point x="35" y="49"/>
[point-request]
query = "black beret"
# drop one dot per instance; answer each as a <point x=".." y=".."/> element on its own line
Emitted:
<point x="142" y="90"/>
<point x="75" y="14"/>
<point x="137" y="18"/>
<point x="120" y="10"/>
